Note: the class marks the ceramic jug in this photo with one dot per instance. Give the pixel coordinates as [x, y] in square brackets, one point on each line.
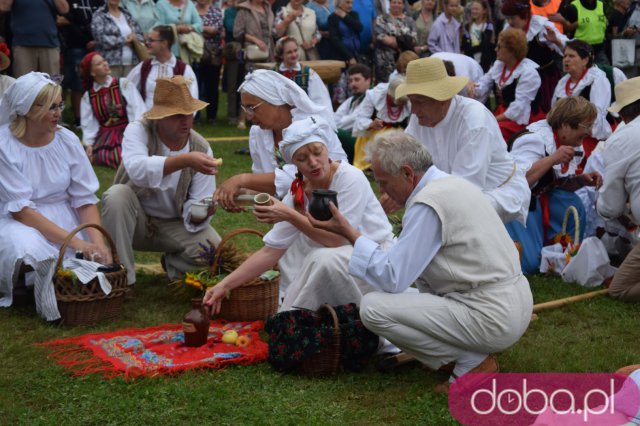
[195, 325]
[319, 205]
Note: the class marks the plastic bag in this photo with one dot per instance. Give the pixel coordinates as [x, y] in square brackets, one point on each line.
[591, 266]
[552, 259]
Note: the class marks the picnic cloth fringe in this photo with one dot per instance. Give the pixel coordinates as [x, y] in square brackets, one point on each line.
[154, 351]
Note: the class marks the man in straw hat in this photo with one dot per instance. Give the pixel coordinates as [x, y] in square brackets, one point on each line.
[620, 193]
[167, 171]
[473, 300]
[463, 137]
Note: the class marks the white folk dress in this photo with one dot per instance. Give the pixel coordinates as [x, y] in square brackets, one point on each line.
[54, 180]
[316, 274]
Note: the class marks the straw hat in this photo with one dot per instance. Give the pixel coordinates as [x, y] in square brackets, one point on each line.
[428, 77]
[627, 93]
[172, 97]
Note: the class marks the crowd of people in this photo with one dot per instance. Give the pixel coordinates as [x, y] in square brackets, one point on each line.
[484, 123]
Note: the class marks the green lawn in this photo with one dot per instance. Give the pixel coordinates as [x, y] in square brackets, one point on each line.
[595, 335]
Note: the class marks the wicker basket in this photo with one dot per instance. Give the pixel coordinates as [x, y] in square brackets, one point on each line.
[327, 361]
[328, 70]
[87, 304]
[255, 300]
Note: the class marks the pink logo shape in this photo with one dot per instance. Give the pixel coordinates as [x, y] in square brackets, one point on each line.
[544, 399]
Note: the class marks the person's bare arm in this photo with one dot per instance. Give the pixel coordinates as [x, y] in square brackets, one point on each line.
[61, 6]
[52, 232]
[564, 154]
[198, 161]
[227, 191]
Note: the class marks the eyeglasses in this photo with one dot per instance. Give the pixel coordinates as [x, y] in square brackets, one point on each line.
[251, 110]
[54, 107]
[151, 40]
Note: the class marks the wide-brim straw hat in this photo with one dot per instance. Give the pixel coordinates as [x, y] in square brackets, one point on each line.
[5, 62]
[428, 77]
[627, 92]
[172, 97]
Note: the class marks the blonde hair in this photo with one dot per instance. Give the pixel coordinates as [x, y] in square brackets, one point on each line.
[46, 97]
[571, 110]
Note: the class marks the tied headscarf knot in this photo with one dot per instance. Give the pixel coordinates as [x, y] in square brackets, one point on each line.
[297, 191]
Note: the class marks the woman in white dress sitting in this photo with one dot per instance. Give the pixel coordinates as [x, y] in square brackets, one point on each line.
[47, 188]
[550, 151]
[321, 268]
[516, 82]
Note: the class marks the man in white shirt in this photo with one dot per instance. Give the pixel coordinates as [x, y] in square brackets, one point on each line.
[463, 137]
[620, 193]
[167, 171]
[473, 299]
[347, 113]
[163, 64]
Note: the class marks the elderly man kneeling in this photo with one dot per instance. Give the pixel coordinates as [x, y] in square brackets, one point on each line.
[473, 298]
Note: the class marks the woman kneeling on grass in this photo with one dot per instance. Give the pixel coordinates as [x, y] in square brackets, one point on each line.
[319, 265]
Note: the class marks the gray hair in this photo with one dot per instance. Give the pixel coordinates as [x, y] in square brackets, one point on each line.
[394, 149]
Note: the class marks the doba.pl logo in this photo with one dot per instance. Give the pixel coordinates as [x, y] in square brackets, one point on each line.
[544, 398]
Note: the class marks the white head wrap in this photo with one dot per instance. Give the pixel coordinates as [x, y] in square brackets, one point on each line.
[19, 98]
[277, 89]
[300, 133]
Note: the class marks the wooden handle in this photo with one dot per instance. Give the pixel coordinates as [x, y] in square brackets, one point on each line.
[565, 301]
[576, 219]
[65, 244]
[218, 254]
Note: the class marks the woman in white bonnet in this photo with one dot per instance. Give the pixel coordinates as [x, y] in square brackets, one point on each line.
[319, 265]
[272, 102]
[47, 188]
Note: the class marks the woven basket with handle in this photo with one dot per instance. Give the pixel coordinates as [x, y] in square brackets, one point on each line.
[81, 304]
[327, 361]
[256, 299]
[571, 210]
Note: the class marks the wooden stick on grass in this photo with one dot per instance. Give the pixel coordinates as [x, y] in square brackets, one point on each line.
[565, 301]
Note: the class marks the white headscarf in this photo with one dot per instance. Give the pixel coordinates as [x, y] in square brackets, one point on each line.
[19, 98]
[277, 89]
[300, 133]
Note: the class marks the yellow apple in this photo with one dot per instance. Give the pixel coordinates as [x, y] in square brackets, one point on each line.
[230, 336]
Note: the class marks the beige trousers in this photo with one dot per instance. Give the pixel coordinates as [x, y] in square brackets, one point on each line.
[438, 330]
[27, 58]
[626, 281]
[125, 220]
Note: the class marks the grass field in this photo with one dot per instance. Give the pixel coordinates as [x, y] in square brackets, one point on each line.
[591, 336]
